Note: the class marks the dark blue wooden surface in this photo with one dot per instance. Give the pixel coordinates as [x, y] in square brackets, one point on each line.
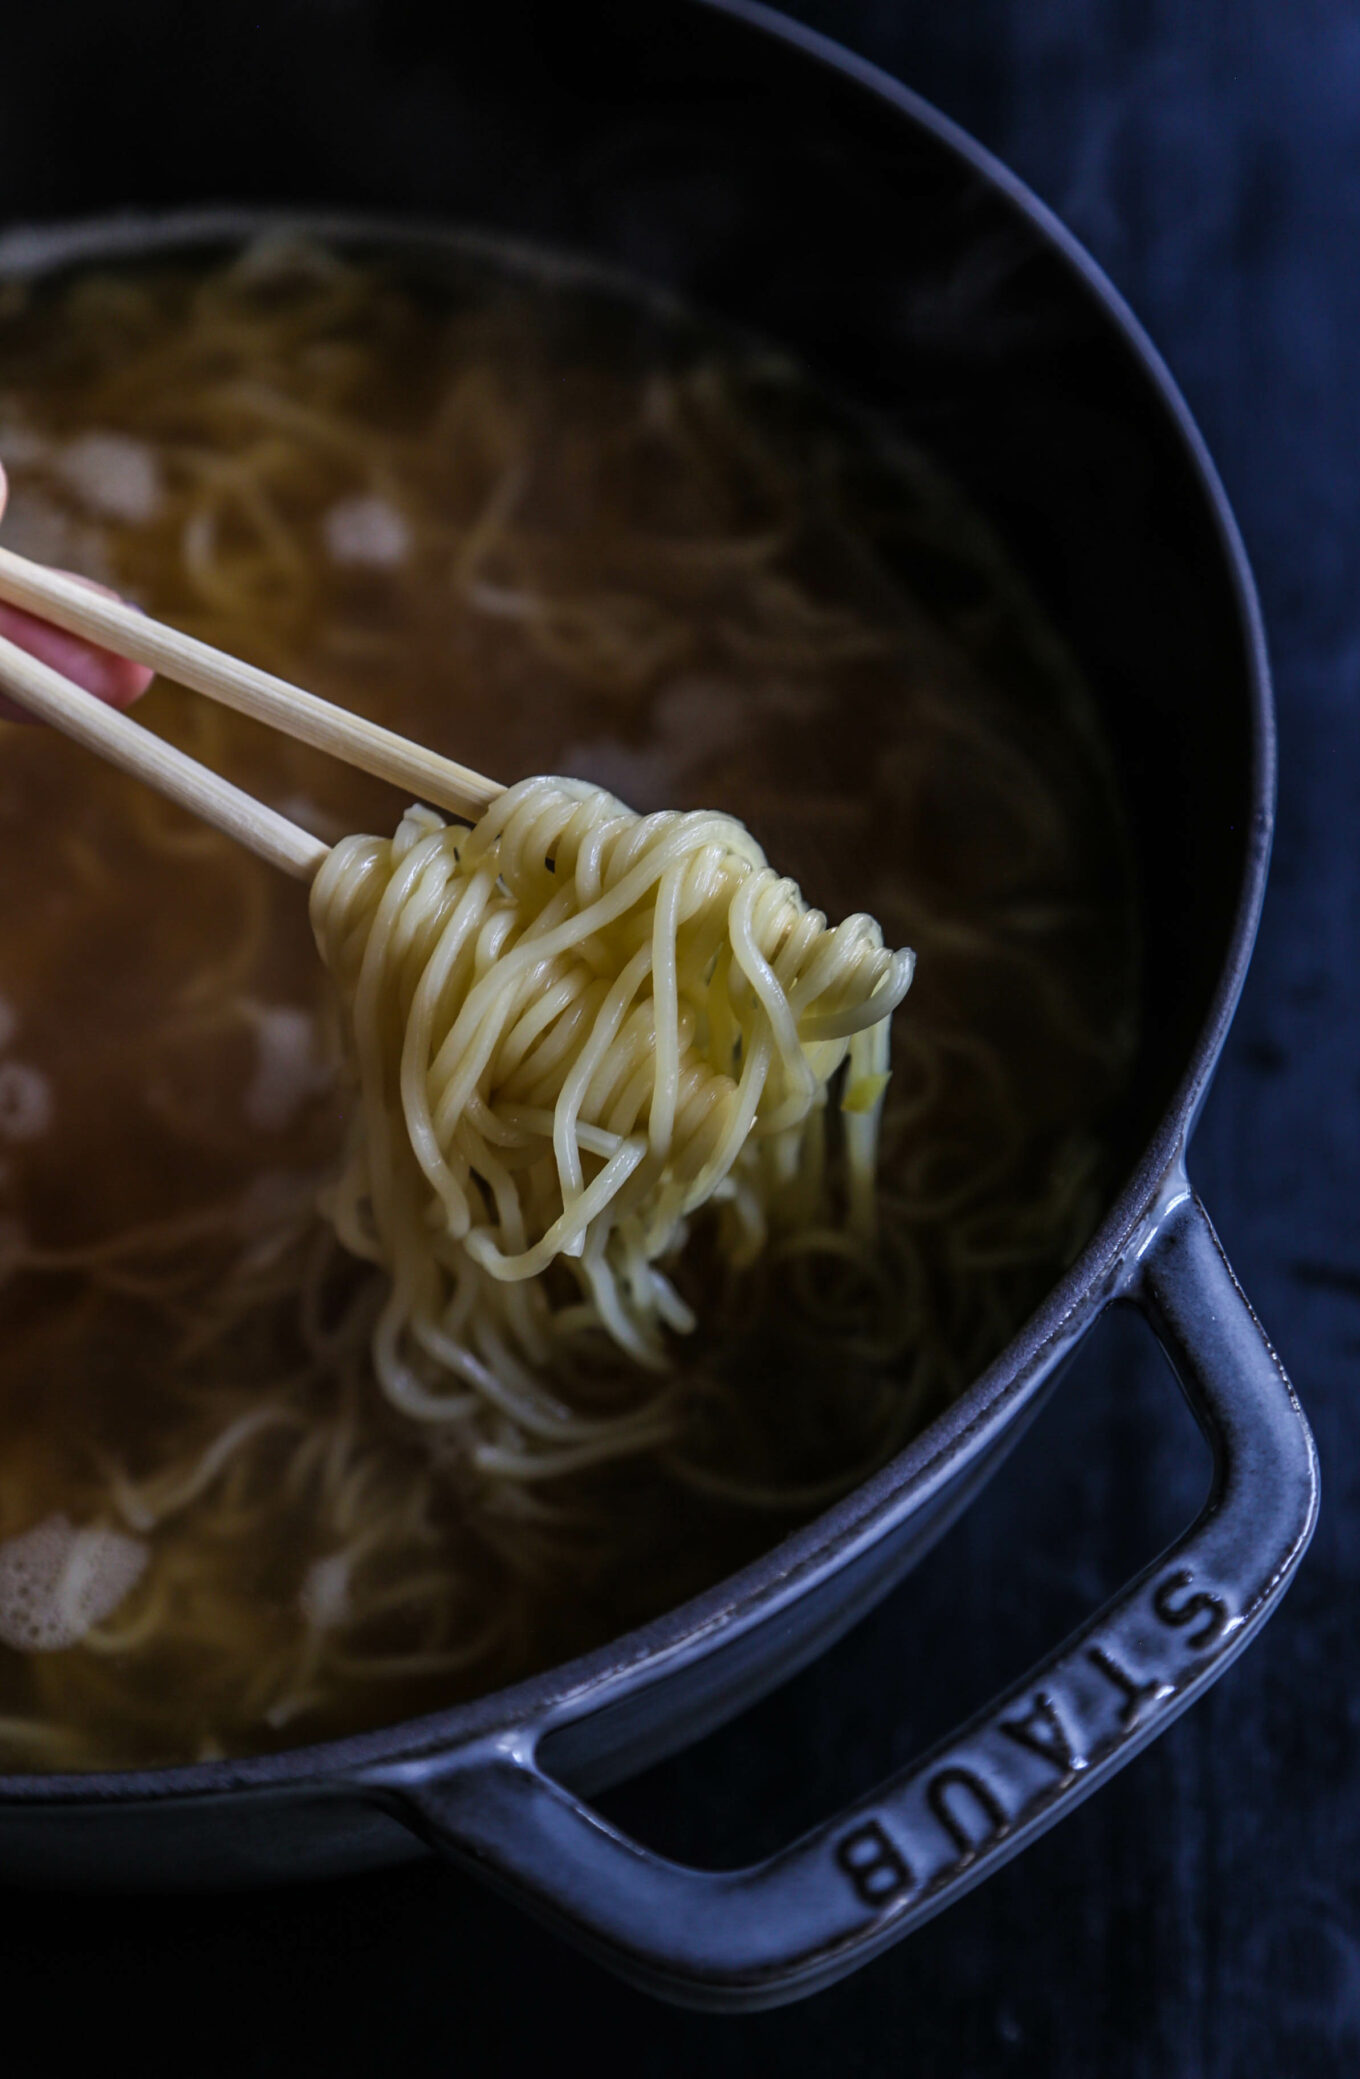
[1201, 1918]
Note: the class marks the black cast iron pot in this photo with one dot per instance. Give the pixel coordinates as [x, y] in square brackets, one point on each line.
[711, 146]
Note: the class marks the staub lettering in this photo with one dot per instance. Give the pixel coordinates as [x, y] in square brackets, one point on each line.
[1208, 1612]
[1134, 1693]
[949, 1794]
[876, 1869]
[974, 1797]
[1042, 1732]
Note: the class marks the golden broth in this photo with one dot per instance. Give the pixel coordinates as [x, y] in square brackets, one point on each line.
[541, 527]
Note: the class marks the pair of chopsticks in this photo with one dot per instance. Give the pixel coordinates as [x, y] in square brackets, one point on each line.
[114, 626]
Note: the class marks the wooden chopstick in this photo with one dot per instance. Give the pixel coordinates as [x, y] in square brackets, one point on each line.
[118, 627]
[125, 743]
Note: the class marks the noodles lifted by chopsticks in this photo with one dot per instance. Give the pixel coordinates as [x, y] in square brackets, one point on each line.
[575, 1028]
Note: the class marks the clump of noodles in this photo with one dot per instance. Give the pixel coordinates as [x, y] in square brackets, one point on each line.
[576, 1030]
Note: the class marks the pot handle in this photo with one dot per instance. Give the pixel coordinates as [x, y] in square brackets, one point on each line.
[758, 1936]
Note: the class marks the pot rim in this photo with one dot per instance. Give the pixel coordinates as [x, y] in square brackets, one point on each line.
[999, 1393]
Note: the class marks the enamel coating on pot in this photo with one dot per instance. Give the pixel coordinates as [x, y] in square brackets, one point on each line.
[762, 1935]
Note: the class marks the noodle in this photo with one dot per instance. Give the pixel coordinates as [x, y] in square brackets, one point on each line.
[593, 1027]
[529, 525]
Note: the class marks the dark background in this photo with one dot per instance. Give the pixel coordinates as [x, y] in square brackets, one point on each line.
[1199, 1919]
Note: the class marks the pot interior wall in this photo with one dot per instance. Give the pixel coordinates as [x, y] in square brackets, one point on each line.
[702, 155]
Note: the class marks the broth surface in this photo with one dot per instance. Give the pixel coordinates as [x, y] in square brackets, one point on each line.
[541, 525]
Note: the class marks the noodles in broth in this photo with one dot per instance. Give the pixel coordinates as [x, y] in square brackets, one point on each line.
[307, 1423]
[570, 987]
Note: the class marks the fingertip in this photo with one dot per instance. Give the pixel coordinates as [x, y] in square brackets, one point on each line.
[115, 680]
[127, 681]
